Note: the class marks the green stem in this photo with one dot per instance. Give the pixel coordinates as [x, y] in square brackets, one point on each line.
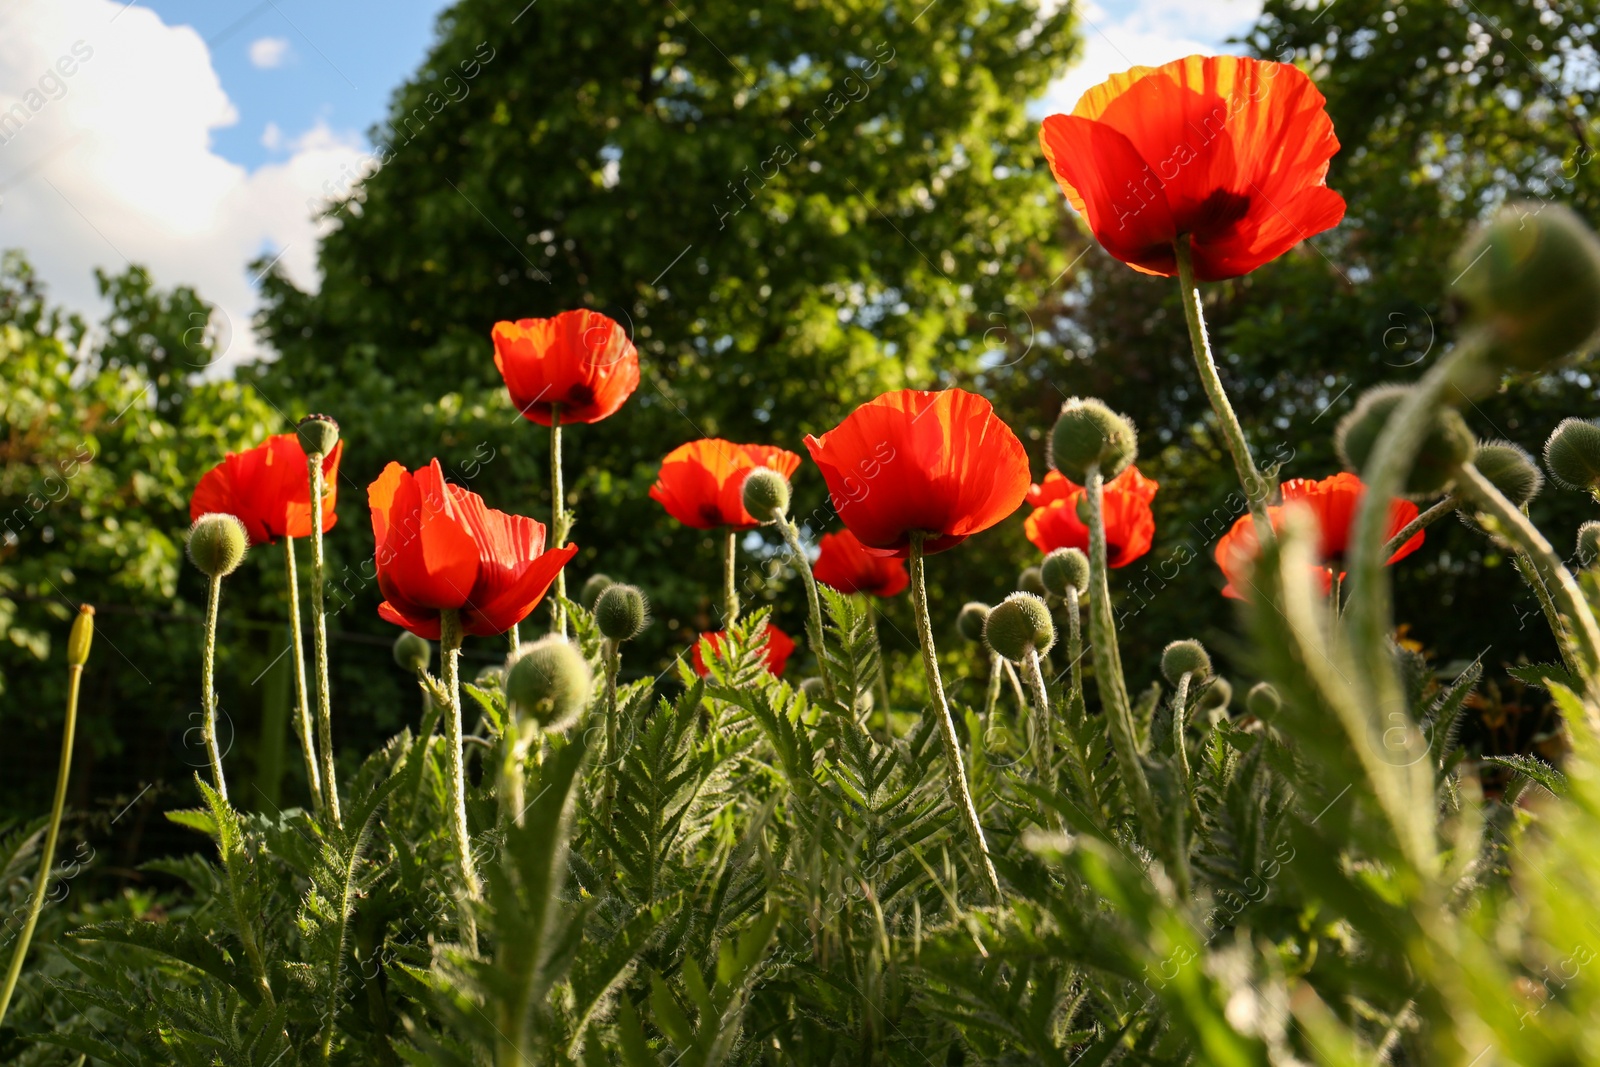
[1043, 736]
[208, 690]
[961, 793]
[819, 647]
[52, 831]
[1424, 519]
[450, 671]
[558, 519]
[611, 653]
[514, 637]
[1074, 651]
[992, 696]
[1255, 489]
[1552, 615]
[730, 585]
[308, 745]
[1180, 719]
[319, 635]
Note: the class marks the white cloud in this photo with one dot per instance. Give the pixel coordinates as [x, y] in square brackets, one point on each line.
[115, 164]
[272, 137]
[269, 52]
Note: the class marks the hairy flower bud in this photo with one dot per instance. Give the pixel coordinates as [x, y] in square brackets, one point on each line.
[1089, 435]
[1572, 455]
[1589, 542]
[1031, 581]
[1019, 624]
[217, 544]
[1532, 278]
[490, 678]
[814, 689]
[971, 619]
[1509, 469]
[590, 594]
[1263, 701]
[412, 654]
[621, 612]
[81, 637]
[1447, 446]
[1218, 695]
[548, 681]
[766, 494]
[1185, 657]
[318, 434]
[1065, 568]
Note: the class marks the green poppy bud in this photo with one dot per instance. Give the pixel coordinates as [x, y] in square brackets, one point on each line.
[1447, 446]
[1572, 455]
[621, 612]
[590, 594]
[81, 637]
[766, 495]
[318, 434]
[1185, 657]
[1511, 470]
[1065, 568]
[1019, 624]
[490, 678]
[1089, 435]
[217, 544]
[970, 621]
[814, 689]
[1532, 278]
[1589, 542]
[548, 681]
[412, 654]
[1031, 581]
[1263, 701]
[1217, 696]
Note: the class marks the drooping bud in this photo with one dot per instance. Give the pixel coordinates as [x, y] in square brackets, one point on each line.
[1088, 435]
[814, 688]
[1065, 568]
[1572, 455]
[1217, 696]
[1031, 581]
[766, 495]
[621, 612]
[548, 681]
[1532, 278]
[1185, 657]
[971, 619]
[217, 544]
[1447, 446]
[590, 594]
[1263, 701]
[1589, 542]
[1019, 624]
[412, 654]
[1511, 470]
[318, 434]
[81, 637]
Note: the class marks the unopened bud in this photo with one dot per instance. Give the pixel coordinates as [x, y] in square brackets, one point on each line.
[814, 689]
[1509, 469]
[412, 654]
[589, 596]
[1031, 581]
[1589, 542]
[1447, 446]
[1185, 657]
[1572, 455]
[1018, 625]
[1089, 435]
[548, 681]
[1065, 568]
[766, 495]
[1263, 701]
[1217, 696]
[318, 434]
[217, 544]
[621, 612]
[971, 619]
[81, 637]
[490, 678]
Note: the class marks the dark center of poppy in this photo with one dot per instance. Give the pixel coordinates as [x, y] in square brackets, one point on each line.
[579, 396]
[711, 514]
[1217, 212]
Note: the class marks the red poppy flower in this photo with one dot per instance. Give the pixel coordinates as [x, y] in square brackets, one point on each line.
[778, 649]
[1129, 522]
[702, 483]
[268, 488]
[939, 463]
[1333, 502]
[581, 360]
[439, 549]
[1228, 151]
[843, 564]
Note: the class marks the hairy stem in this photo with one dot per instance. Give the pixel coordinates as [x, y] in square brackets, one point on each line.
[960, 791]
[819, 647]
[558, 520]
[730, 585]
[450, 671]
[1043, 734]
[1424, 519]
[308, 744]
[991, 696]
[208, 689]
[1074, 651]
[611, 653]
[319, 635]
[1180, 718]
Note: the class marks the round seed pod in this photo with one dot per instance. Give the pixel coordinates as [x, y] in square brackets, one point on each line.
[622, 612]
[1263, 701]
[1589, 542]
[971, 619]
[548, 681]
[412, 654]
[1065, 568]
[1031, 581]
[596, 584]
[217, 544]
[1089, 435]
[766, 495]
[1019, 624]
[1217, 696]
[1185, 657]
[318, 434]
[1447, 446]
[1511, 470]
[1572, 455]
[1531, 277]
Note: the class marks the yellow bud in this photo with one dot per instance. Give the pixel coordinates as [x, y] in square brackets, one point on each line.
[81, 638]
